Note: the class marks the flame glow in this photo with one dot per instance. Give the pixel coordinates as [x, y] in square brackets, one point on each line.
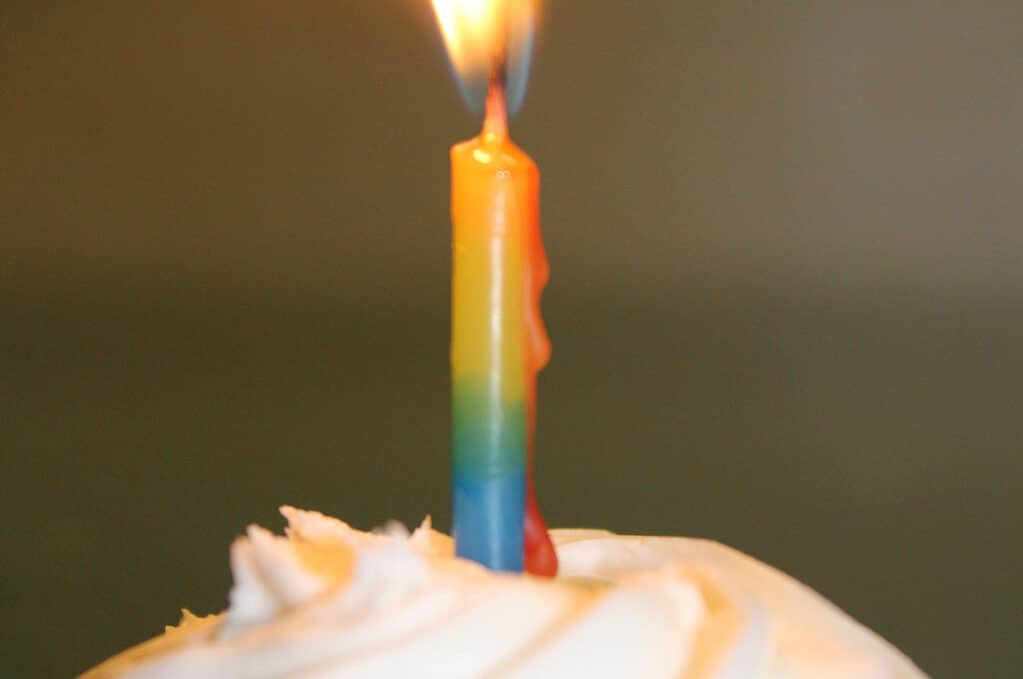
[476, 32]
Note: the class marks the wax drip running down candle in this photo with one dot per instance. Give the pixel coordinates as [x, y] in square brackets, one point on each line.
[499, 343]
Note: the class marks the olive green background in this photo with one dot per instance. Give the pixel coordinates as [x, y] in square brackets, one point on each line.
[786, 305]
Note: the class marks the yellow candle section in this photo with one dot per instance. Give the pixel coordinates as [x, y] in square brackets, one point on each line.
[491, 179]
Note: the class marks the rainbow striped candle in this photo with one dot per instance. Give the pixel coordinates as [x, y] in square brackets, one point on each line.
[498, 340]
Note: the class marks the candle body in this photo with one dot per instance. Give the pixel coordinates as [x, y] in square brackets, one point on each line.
[498, 345]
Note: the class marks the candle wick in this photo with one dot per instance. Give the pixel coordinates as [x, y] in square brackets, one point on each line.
[496, 119]
[496, 122]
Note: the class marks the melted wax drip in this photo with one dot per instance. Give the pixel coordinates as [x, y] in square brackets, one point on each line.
[540, 557]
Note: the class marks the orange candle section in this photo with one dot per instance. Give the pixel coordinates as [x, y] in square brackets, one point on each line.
[499, 344]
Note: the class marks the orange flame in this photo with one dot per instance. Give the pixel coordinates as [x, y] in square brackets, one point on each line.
[483, 34]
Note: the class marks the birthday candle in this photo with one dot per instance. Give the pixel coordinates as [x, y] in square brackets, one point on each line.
[498, 339]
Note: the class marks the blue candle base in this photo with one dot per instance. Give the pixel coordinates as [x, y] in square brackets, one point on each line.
[488, 524]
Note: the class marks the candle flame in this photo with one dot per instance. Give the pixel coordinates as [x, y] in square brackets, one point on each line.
[484, 35]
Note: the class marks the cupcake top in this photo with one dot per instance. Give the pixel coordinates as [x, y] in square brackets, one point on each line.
[328, 601]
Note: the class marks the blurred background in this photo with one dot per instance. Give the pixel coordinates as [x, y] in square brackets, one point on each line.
[786, 304]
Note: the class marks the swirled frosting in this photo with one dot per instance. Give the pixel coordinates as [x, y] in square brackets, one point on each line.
[326, 601]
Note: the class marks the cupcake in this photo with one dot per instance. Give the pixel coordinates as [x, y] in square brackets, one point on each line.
[326, 601]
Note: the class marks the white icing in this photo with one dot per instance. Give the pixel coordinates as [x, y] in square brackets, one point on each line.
[330, 602]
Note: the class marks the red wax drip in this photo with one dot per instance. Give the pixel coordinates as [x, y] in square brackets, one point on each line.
[540, 557]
